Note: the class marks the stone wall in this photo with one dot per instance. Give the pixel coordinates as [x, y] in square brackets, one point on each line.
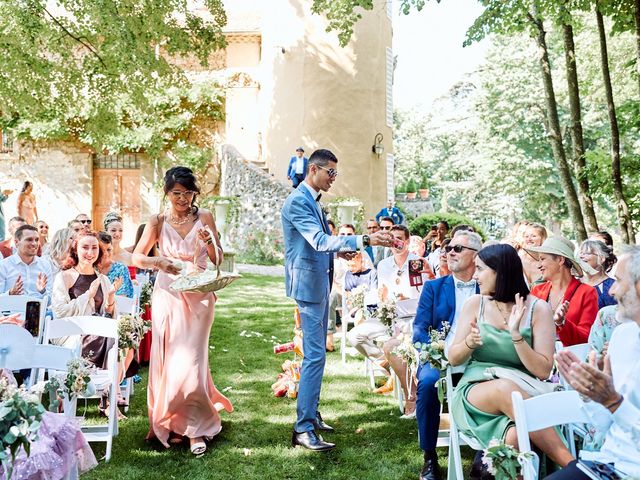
[416, 207]
[261, 198]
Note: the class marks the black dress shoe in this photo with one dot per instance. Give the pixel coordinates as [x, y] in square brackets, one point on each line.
[311, 441]
[479, 471]
[321, 426]
[430, 469]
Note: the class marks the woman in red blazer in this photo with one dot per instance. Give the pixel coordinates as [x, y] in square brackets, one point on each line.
[575, 304]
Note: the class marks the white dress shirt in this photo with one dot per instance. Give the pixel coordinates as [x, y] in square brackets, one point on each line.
[13, 266]
[462, 295]
[622, 441]
[299, 165]
[396, 279]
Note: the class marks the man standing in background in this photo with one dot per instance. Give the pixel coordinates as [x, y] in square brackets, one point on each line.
[297, 171]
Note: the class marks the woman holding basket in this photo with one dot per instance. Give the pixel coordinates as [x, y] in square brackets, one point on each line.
[182, 399]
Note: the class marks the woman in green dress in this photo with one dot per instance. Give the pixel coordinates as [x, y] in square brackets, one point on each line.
[504, 327]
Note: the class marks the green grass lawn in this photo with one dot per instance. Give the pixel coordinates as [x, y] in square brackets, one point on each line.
[372, 442]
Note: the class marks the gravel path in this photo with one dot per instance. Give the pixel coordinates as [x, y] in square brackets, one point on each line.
[271, 270]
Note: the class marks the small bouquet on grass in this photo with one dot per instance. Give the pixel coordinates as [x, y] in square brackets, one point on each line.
[131, 329]
[503, 461]
[145, 295]
[433, 354]
[20, 417]
[386, 313]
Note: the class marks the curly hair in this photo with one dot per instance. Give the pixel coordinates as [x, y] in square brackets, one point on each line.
[72, 257]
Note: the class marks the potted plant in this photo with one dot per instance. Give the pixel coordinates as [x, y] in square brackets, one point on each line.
[423, 189]
[401, 191]
[411, 190]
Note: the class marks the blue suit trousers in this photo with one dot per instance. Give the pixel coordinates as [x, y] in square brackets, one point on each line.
[314, 320]
[427, 407]
[296, 179]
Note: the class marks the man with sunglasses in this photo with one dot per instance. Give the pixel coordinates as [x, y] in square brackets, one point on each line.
[85, 221]
[309, 250]
[441, 301]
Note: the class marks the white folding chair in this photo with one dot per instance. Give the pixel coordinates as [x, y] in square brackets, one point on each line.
[103, 327]
[126, 305]
[18, 304]
[543, 411]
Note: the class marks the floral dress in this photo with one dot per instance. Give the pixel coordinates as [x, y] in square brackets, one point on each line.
[120, 270]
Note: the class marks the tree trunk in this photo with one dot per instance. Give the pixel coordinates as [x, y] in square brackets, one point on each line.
[577, 139]
[624, 217]
[555, 135]
[637, 16]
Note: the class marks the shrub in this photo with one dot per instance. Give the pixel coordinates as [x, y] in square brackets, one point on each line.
[422, 224]
[411, 186]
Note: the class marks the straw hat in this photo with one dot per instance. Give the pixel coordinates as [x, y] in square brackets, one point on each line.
[563, 247]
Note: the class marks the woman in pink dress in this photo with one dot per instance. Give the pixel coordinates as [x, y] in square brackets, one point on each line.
[181, 397]
[27, 204]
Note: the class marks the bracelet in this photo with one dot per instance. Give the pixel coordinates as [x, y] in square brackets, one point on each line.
[209, 241]
[561, 324]
[109, 305]
[465, 342]
[616, 403]
[519, 340]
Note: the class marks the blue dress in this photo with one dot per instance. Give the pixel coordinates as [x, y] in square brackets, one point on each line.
[120, 270]
[604, 299]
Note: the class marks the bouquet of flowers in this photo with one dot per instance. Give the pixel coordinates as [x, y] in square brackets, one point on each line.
[386, 312]
[20, 417]
[406, 350]
[356, 297]
[504, 461]
[145, 295]
[433, 354]
[77, 380]
[131, 329]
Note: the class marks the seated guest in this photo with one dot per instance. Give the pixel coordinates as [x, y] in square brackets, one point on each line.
[600, 257]
[376, 253]
[43, 232]
[602, 329]
[611, 387]
[24, 273]
[418, 248]
[441, 301]
[335, 297]
[8, 246]
[503, 327]
[534, 235]
[117, 272]
[574, 304]
[58, 250]
[394, 284]
[75, 226]
[442, 229]
[85, 221]
[332, 227]
[391, 211]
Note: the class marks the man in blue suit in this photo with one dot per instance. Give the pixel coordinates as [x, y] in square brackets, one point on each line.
[309, 249]
[391, 211]
[441, 300]
[298, 166]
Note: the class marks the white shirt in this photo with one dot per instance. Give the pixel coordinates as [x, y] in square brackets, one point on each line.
[622, 441]
[397, 279]
[299, 165]
[462, 295]
[13, 266]
[434, 261]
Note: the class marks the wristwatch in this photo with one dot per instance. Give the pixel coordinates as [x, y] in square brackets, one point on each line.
[366, 241]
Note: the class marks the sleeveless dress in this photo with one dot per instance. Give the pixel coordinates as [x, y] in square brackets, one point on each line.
[497, 350]
[28, 210]
[181, 396]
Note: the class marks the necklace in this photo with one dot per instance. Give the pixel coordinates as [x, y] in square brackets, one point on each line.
[179, 221]
[555, 305]
[505, 315]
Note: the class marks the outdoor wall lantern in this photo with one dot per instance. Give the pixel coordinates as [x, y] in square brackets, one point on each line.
[377, 147]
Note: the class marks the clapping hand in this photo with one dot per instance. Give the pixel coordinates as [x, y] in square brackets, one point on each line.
[517, 314]
[13, 319]
[587, 379]
[41, 283]
[474, 338]
[117, 283]
[560, 313]
[93, 288]
[18, 287]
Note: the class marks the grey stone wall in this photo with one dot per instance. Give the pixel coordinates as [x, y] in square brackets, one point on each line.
[261, 197]
[415, 207]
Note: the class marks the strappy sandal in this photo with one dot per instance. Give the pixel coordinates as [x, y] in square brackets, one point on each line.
[198, 448]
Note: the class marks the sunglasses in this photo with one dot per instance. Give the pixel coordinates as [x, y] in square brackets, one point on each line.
[332, 172]
[386, 228]
[178, 194]
[85, 222]
[458, 248]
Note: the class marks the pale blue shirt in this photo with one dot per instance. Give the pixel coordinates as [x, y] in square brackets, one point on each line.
[622, 440]
[13, 266]
[462, 295]
[299, 165]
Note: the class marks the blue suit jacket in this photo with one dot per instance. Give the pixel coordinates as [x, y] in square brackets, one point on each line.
[309, 248]
[437, 304]
[291, 171]
[396, 214]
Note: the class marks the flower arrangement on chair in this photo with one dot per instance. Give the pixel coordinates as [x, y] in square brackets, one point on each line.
[433, 353]
[131, 329]
[503, 461]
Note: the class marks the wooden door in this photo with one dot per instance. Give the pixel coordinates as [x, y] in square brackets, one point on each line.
[117, 190]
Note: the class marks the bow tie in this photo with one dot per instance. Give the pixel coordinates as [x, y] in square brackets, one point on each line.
[318, 197]
[471, 284]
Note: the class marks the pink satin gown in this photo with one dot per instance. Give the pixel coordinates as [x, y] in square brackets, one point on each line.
[181, 396]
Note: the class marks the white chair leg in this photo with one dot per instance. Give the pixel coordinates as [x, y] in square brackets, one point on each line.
[343, 343]
[399, 394]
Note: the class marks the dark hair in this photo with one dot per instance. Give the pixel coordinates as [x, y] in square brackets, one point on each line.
[26, 185]
[463, 227]
[17, 219]
[348, 225]
[505, 261]
[154, 251]
[110, 218]
[372, 220]
[185, 177]
[322, 157]
[403, 229]
[604, 236]
[104, 237]
[445, 223]
[23, 228]
[330, 222]
[72, 258]
[388, 219]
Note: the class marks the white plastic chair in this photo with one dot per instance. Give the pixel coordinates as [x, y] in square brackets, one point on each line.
[126, 305]
[18, 304]
[103, 327]
[543, 411]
